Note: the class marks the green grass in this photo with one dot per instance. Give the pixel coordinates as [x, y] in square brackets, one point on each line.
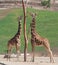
[46, 26]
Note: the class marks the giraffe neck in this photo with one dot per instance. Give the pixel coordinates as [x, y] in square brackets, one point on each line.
[17, 35]
[19, 27]
[33, 30]
[33, 26]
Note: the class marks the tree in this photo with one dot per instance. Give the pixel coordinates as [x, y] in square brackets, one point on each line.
[25, 35]
[53, 2]
[45, 3]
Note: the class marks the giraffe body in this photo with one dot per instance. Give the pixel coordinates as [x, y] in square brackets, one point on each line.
[15, 41]
[37, 40]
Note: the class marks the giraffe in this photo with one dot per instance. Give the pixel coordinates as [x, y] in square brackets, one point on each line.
[15, 41]
[37, 40]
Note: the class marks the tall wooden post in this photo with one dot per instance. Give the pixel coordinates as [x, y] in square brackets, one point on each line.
[25, 35]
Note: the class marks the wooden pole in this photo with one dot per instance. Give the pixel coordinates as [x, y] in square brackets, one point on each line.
[25, 35]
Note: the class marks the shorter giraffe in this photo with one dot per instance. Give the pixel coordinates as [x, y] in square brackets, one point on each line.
[15, 41]
[37, 40]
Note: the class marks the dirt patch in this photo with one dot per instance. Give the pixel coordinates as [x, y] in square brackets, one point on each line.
[38, 60]
[4, 13]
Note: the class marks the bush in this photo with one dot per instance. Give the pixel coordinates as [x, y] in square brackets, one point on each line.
[45, 3]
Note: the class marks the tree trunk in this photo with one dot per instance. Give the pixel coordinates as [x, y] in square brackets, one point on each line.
[25, 35]
[53, 2]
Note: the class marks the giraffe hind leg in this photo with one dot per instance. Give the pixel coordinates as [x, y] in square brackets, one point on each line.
[47, 46]
[33, 53]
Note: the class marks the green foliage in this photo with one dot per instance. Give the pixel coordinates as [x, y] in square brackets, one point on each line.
[46, 26]
[45, 3]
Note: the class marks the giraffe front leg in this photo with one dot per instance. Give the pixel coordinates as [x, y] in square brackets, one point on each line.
[18, 52]
[33, 52]
[9, 54]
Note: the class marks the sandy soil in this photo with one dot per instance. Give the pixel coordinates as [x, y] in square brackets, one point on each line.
[38, 61]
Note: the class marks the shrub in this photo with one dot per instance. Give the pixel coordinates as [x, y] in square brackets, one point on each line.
[45, 3]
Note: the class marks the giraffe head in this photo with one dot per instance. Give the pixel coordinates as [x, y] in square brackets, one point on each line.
[20, 18]
[33, 15]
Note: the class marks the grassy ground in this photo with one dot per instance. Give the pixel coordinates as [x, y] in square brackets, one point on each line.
[46, 26]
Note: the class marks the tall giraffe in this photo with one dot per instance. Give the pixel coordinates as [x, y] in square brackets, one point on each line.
[15, 41]
[37, 40]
